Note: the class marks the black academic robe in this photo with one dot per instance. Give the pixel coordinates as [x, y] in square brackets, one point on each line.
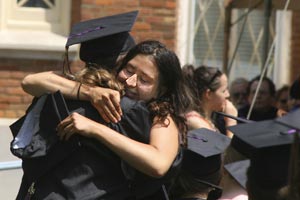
[257, 115]
[83, 168]
[193, 198]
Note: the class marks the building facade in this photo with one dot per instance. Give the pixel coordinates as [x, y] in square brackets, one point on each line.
[33, 35]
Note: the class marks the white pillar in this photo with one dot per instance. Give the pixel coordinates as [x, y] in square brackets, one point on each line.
[282, 58]
[185, 22]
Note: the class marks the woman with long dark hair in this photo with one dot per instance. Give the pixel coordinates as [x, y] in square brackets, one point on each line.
[151, 73]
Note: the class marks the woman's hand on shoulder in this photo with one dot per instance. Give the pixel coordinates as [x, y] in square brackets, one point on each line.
[107, 102]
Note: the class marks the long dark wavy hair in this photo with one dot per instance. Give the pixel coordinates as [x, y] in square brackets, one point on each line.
[174, 97]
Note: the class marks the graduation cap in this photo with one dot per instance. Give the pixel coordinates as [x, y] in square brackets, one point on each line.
[203, 154]
[203, 158]
[252, 137]
[238, 170]
[103, 37]
[267, 144]
[291, 119]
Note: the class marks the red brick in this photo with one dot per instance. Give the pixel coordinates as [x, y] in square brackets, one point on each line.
[9, 82]
[18, 74]
[104, 2]
[88, 1]
[2, 114]
[171, 4]
[163, 12]
[5, 74]
[15, 91]
[142, 26]
[145, 11]
[153, 3]
[154, 19]
[3, 106]
[10, 99]
[11, 114]
[20, 113]
[295, 42]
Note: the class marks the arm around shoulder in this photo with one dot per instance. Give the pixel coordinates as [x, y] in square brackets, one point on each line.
[153, 159]
[40, 83]
[105, 100]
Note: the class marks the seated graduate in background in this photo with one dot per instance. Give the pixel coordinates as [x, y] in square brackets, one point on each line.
[90, 172]
[267, 144]
[282, 97]
[210, 89]
[202, 166]
[264, 106]
[238, 92]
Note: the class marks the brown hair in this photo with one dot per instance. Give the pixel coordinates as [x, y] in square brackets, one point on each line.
[200, 79]
[93, 76]
[173, 96]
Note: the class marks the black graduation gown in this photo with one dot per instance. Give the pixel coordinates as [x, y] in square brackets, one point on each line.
[192, 198]
[258, 115]
[83, 168]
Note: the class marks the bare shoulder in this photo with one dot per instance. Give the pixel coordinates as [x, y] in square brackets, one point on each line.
[195, 120]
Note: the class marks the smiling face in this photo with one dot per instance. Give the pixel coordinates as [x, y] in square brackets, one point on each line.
[140, 77]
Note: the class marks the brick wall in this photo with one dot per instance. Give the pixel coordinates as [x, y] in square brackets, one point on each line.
[13, 101]
[156, 20]
[295, 51]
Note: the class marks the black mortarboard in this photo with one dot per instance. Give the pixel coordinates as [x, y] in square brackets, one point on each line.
[251, 137]
[202, 158]
[291, 119]
[203, 154]
[238, 170]
[267, 144]
[103, 37]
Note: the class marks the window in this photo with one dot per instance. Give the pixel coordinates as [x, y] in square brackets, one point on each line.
[36, 15]
[34, 25]
[248, 59]
[201, 37]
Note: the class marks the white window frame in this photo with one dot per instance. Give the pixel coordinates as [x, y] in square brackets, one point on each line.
[282, 51]
[28, 32]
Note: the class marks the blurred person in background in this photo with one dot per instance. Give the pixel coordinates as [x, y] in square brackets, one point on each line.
[282, 97]
[264, 107]
[238, 92]
[210, 89]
